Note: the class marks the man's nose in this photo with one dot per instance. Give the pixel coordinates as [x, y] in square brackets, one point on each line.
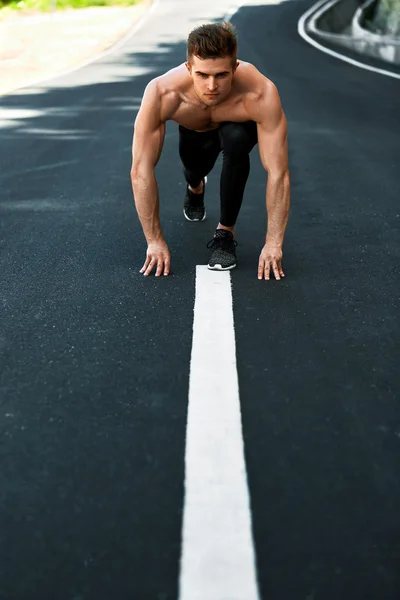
[212, 84]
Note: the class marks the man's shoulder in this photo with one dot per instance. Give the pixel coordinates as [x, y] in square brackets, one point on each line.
[261, 97]
[170, 82]
[166, 90]
[163, 93]
[253, 81]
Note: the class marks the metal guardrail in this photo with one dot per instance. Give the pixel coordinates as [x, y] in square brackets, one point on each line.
[340, 21]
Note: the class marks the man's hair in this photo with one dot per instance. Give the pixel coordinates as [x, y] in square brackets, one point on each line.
[213, 40]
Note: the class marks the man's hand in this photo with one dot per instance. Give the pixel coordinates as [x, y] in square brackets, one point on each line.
[158, 257]
[270, 258]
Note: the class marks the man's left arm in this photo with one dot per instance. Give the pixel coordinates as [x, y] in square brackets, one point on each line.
[272, 143]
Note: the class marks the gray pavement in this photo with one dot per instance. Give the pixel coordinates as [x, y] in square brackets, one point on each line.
[95, 358]
[35, 46]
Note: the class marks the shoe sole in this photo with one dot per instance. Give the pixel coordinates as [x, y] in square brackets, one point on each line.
[194, 220]
[218, 267]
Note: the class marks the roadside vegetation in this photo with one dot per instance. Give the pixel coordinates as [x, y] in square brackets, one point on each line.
[386, 19]
[49, 5]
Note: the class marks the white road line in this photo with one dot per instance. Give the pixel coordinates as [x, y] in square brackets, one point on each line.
[303, 33]
[218, 557]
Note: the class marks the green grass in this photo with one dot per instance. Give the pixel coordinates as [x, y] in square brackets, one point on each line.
[387, 18]
[47, 5]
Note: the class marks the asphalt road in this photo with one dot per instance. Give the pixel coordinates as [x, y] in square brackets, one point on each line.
[95, 358]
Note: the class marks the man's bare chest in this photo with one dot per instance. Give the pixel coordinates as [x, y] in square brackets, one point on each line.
[198, 118]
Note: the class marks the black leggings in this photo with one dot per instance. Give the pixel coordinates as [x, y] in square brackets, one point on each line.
[200, 150]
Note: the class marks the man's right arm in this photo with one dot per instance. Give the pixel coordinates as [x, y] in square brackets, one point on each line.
[148, 139]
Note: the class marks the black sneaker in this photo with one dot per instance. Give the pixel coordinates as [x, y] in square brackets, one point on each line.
[193, 208]
[223, 253]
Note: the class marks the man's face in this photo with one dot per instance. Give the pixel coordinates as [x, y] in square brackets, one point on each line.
[212, 78]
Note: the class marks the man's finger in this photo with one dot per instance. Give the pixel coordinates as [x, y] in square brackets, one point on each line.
[276, 270]
[166, 266]
[149, 267]
[281, 273]
[160, 266]
[266, 270]
[260, 269]
[146, 262]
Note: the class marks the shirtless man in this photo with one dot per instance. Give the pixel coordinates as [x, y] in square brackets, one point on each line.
[220, 103]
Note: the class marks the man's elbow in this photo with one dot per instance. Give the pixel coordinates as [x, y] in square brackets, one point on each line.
[136, 166]
[134, 173]
[138, 172]
[280, 174]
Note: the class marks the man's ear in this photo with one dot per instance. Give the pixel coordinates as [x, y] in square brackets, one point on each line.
[188, 66]
[236, 66]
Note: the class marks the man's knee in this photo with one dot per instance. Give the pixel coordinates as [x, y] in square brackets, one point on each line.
[192, 178]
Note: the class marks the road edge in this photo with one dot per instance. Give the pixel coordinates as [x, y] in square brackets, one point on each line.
[307, 23]
[136, 25]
